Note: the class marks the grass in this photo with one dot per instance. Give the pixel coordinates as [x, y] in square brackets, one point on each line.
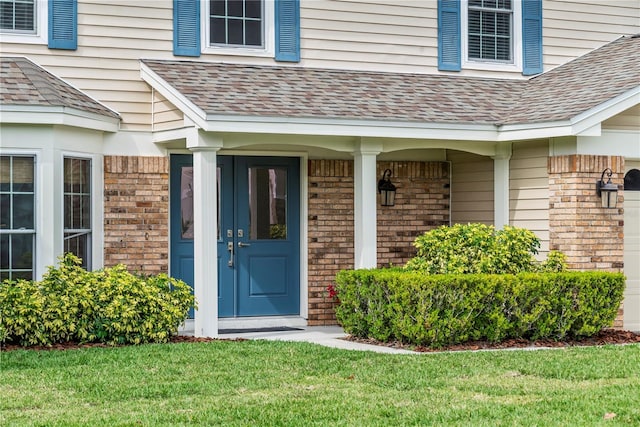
[299, 384]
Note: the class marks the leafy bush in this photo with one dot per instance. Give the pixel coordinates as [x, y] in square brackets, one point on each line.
[479, 248]
[439, 310]
[110, 305]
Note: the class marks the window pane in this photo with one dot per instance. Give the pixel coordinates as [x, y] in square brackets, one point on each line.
[217, 7]
[21, 251]
[253, 9]
[236, 31]
[186, 202]
[5, 211]
[218, 30]
[78, 244]
[4, 251]
[24, 16]
[254, 33]
[5, 173]
[267, 203]
[85, 207]
[6, 15]
[23, 174]
[26, 275]
[235, 8]
[23, 211]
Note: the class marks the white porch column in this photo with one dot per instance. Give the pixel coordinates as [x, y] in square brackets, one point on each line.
[501, 184]
[205, 216]
[365, 204]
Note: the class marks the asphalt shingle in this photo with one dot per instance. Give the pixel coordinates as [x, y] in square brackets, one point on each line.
[24, 83]
[297, 92]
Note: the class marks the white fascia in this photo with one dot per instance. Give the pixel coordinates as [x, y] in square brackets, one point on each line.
[188, 108]
[57, 115]
[346, 127]
[584, 124]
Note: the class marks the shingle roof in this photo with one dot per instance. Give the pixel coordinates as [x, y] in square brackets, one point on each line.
[272, 91]
[24, 83]
[581, 84]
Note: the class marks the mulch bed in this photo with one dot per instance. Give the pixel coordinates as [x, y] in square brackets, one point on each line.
[607, 336]
[604, 337]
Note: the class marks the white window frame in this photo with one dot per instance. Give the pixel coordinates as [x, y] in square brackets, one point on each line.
[36, 193]
[478, 64]
[268, 48]
[41, 34]
[89, 261]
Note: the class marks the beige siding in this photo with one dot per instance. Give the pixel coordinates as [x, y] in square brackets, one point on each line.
[629, 119]
[165, 114]
[529, 189]
[471, 188]
[384, 35]
[574, 27]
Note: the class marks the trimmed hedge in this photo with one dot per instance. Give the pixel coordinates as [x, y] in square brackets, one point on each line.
[111, 306]
[437, 310]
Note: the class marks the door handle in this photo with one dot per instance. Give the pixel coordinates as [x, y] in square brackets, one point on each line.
[230, 249]
[243, 245]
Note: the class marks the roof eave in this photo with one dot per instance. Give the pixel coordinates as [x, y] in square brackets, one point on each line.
[57, 115]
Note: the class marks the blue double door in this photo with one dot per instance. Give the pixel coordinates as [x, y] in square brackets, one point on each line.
[258, 233]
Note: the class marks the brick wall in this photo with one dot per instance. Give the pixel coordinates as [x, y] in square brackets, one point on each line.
[590, 236]
[330, 232]
[422, 203]
[136, 212]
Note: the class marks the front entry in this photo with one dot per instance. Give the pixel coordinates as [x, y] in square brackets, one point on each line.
[258, 233]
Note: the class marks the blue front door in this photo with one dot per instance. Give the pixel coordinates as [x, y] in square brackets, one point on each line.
[258, 233]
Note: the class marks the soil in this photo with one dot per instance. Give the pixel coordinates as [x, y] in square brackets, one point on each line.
[604, 337]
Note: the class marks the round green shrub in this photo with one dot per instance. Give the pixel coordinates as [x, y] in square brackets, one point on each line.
[480, 249]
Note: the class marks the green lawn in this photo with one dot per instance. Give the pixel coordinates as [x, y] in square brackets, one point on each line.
[299, 384]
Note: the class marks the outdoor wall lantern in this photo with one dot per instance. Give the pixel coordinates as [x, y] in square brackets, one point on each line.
[386, 189]
[608, 192]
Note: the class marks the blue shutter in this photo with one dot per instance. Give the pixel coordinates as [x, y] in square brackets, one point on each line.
[531, 37]
[63, 24]
[449, 51]
[287, 30]
[186, 27]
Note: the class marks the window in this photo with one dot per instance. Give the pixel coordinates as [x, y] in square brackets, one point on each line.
[489, 30]
[77, 208]
[266, 28]
[500, 35]
[236, 22]
[18, 16]
[17, 217]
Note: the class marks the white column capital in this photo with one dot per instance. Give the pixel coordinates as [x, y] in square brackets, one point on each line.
[199, 140]
[367, 146]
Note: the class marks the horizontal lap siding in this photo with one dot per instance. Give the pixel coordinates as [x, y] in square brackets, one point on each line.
[627, 120]
[384, 35]
[574, 27]
[529, 189]
[471, 188]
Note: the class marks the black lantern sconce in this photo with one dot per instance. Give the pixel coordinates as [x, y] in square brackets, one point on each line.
[608, 192]
[386, 189]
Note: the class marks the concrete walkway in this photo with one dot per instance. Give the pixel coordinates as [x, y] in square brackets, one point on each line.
[329, 336]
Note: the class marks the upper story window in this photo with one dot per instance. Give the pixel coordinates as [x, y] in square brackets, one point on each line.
[494, 35]
[236, 22]
[269, 28]
[49, 22]
[18, 16]
[489, 30]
